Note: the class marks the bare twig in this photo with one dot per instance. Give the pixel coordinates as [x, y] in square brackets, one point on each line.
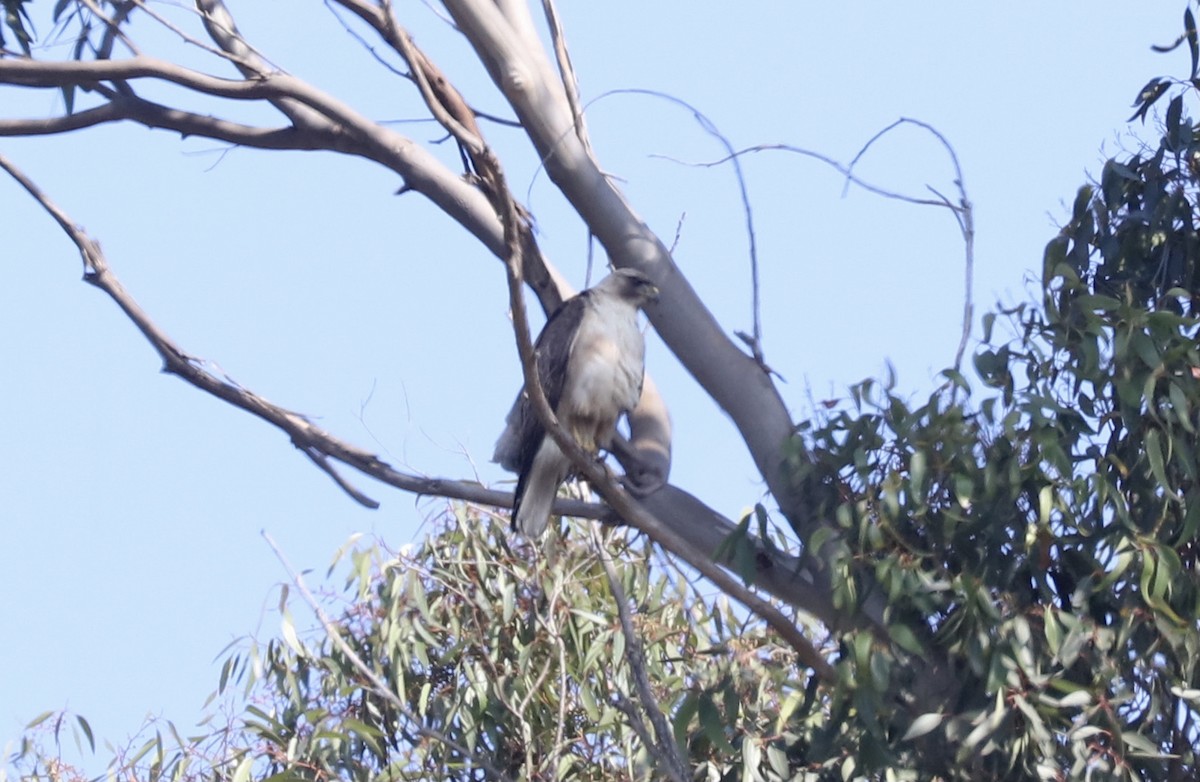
[569, 80]
[377, 684]
[963, 211]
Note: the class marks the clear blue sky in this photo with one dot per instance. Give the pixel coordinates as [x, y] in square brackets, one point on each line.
[132, 505]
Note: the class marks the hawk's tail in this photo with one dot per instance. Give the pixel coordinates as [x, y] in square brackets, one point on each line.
[536, 489]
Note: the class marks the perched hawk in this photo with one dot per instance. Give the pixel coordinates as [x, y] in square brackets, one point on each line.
[590, 359]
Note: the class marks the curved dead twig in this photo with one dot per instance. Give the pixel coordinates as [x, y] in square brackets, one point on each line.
[964, 213]
[754, 339]
[963, 210]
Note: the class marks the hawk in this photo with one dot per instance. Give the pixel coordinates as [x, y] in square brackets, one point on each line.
[590, 361]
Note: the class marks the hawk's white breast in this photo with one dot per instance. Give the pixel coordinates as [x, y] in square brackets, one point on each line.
[605, 374]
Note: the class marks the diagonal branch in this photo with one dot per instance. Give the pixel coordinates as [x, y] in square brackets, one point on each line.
[664, 740]
[569, 80]
[316, 443]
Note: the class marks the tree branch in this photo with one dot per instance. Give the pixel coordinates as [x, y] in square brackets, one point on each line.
[567, 70]
[963, 211]
[155, 115]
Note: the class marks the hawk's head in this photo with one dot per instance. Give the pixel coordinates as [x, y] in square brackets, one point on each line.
[631, 285]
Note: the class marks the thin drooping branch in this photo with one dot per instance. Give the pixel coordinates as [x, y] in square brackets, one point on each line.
[664, 745]
[754, 339]
[314, 442]
[963, 212]
[374, 681]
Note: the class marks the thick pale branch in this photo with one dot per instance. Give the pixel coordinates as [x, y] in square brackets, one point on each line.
[733, 379]
[38, 73]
